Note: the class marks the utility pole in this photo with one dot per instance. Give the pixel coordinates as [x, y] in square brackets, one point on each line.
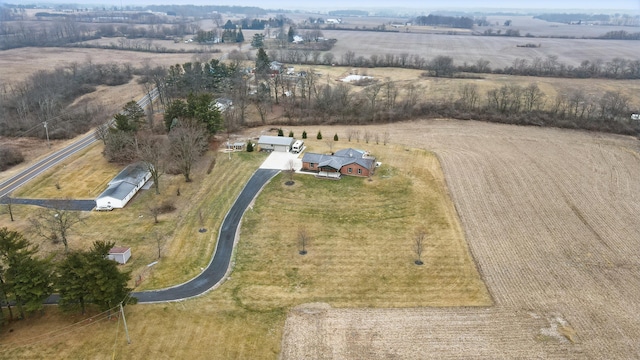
[124, 320]
[46, 129]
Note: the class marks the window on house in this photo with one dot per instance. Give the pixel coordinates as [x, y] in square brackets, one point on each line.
[359, 171]
[311, 165]
[349, 170]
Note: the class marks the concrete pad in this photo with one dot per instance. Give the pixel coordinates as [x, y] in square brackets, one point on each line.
[280, 161]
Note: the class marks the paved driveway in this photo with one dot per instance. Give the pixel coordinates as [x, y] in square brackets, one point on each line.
[77, 205]
[219, 265]
[282, 161]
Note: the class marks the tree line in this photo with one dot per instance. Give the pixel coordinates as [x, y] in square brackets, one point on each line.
[81, 278]
[305, 99]
[46, 95]
[550, 66]
[461, 22]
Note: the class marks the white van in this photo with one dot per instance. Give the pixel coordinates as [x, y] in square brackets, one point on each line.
[297, 146]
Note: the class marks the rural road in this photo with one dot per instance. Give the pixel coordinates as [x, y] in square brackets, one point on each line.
[39, 167]
[51, 160]
[219, 265]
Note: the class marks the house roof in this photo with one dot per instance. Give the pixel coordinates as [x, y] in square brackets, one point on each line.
[133, 173]
[276, 140]
[121, 185]
[340, 159]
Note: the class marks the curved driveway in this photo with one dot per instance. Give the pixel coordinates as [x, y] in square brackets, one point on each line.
[219, 265]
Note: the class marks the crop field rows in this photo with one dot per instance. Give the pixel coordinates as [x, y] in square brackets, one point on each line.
[550, 218]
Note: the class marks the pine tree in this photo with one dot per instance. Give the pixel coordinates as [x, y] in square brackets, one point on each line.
[319, 136]
[249, 146]
[290, 34]
[304, 134]
[262, 62]
[290, 133]
[280, 132]
[335, 137]
[239, 36]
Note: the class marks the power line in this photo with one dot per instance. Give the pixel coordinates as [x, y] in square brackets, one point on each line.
[64, 330]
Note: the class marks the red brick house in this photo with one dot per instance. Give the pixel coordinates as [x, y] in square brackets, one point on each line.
[350, 162]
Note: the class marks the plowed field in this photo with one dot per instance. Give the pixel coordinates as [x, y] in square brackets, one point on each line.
[550, 217]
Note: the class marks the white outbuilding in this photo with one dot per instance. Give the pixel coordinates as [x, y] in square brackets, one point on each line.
[275, 143]
[123, 187]
[119, 254]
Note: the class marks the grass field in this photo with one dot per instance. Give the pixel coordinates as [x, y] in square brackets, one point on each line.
[549, 216]
[360, 254]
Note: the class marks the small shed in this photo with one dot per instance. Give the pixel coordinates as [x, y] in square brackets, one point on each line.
[123, 187]
[119, 254]
[236, 146]
[275, 143]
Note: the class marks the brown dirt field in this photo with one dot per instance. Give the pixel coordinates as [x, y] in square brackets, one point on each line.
[501, 51]
[550, 218]
[25, 61]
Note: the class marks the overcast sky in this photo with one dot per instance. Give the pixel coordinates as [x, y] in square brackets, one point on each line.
[586, 5]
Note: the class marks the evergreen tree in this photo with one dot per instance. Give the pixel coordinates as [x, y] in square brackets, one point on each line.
[229, 25]
[290, 133]
[290, 34]
[89, 277]
[262, 62]
[239, 36]
[280, 132]
[32, 283]
[257, 41]
[304, 134]
[319, 136]
[249, 146]
[24, 280]
[335, 137]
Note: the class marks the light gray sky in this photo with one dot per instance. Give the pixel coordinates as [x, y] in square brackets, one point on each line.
[586, 5]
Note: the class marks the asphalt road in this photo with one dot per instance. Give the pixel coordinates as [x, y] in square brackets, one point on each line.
[51, 160]
[218, 267]
[39, 167]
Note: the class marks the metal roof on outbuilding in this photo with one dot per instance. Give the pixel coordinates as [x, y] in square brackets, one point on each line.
[122, 185]
[276, 140]
[133, 173]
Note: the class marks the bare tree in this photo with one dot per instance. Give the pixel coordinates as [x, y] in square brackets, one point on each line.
[418, 245]
[8, 205]
[371, 92]
[303, 239]
[158, 242]
[350, 134]
[187, 142]
[329, 143]
[153, 150]
[292, 169]
[102, 132]
[367, 136]
[533, 97]
[386, 137]
[442, 66]
[468, 96]
[154, 211]
[54, 224]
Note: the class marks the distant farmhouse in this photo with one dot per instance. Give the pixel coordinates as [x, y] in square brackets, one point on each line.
[343, 162]
[123, 187]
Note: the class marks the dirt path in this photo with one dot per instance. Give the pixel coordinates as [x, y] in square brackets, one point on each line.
[551, 219]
